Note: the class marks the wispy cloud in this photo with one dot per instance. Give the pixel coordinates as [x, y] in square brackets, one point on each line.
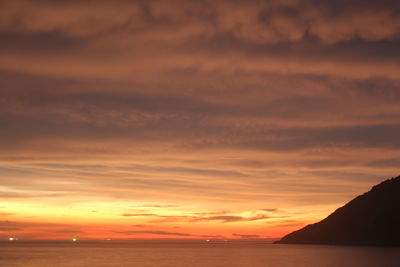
[228, 218]
[139, 214]
[270, 210]
[166, 233]
[67, 231]
[153, 233]
[4, 214]
[9, 229]
[199, 217]
[246, 236]
[159, 206]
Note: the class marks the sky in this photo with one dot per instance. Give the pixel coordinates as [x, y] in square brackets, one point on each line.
[193, 118]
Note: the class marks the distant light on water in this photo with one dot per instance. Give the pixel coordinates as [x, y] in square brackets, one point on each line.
[74, 239]
[11, 239]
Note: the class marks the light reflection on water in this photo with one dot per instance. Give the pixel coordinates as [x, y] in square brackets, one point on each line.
[191, 254]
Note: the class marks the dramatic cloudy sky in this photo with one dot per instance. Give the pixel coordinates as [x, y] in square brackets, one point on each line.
[193, 118]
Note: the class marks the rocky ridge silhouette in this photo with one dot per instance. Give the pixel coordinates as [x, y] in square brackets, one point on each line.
[370, 219]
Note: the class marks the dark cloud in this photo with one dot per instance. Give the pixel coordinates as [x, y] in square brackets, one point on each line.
[41, 42]
[157, 33]
[251, 21]
[385, 163]
[257, 137]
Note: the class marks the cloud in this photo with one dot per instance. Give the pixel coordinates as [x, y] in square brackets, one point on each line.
[67, 231]
[4, 214]
[38, 229]
[246, 236]
[199, 217]
[9, 229]
[92, 118]
[153, 233]
[212, 213]
[291, 224]
[231, 218]
[139, 214]
[159, 206]
[385, 163]
[202, 35]
[166, 233]
[250, 21]
[211, 236]
[270, 210]
[140, 225]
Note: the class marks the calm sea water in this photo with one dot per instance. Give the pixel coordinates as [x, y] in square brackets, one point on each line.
[192, 254]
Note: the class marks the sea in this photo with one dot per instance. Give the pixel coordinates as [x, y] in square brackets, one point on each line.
[191, 253]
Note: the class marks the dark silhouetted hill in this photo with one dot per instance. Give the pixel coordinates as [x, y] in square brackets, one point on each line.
[370, 219]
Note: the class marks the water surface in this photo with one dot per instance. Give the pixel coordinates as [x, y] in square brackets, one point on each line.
[191, 254]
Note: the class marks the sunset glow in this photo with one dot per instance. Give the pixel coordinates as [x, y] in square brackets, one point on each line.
[215, 120]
